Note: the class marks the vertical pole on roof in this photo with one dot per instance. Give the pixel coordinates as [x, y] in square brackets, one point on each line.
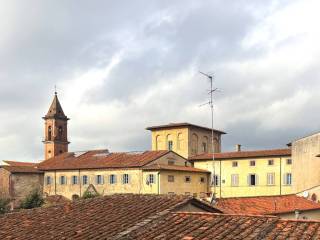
[213, 180]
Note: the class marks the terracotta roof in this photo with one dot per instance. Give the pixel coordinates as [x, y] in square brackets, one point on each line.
[100, 159]
[55, 200]
[15, 163]
[188, 226]
[21, 169]
[99, 218]
[244, 154]
[185, 124]
[266, 205]
[55, 110]
[174, 168]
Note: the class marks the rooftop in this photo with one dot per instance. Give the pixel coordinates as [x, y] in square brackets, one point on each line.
[97, 218]
[266, 205]
[20, 167]
[185, 124]
[244, 154]
[101, 159]
[174, 168]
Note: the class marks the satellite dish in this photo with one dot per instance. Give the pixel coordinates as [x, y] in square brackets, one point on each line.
[305, 194]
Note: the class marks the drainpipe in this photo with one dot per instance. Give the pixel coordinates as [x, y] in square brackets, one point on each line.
[158, 183]
[79, 184]
[280, 174]
[55, 182]
[220, 180]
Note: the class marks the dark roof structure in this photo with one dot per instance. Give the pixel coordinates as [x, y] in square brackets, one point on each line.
[266, 205]
[243, 154]
[185, 124]
[55, 110]
[100, 159]
[108, 217]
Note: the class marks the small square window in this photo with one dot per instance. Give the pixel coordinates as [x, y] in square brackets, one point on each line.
[170, 178]
[171, 162]
[202, 179]
[187, 179]
[289, 161]
[252, 163]
[234, 164]
[150, 179]
[270, 162]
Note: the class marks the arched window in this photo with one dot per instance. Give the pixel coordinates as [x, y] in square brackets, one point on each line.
[194, 143]
[216, 145]
[205, 144]
[60, 130]
[49, 133]
[180, 141]
[158, 142]
[169, 142]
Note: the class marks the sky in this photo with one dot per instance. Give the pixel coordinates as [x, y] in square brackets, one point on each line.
[121, 66]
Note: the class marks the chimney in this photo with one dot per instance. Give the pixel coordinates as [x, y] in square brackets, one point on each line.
[238, 147]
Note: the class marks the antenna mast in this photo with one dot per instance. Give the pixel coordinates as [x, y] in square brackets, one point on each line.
[210, 103]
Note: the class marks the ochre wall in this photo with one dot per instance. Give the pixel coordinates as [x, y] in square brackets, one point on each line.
[4, 183]
[244, 169]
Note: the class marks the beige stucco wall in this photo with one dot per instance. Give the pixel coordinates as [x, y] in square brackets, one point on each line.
[311, 215]
[243, 170]
[306, 165]
[4, 183]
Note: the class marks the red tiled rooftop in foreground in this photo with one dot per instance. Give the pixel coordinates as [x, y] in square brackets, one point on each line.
[204, 226]
[265, 205]
[97, 218]
[100, 159]
[244, 154]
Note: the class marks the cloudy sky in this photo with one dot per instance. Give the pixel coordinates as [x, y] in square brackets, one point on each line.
[121, 66]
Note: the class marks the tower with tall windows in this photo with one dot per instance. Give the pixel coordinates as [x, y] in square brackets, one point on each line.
[56, 130]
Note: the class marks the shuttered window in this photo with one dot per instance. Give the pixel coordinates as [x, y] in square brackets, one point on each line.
[270, 178]
[234, 180]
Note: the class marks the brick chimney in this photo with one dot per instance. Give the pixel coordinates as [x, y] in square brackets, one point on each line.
[238, 147]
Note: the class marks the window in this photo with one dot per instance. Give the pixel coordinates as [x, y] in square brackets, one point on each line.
[48, 180]
[125, 178]
[215, 180]
[194, 144]
[150, 178]
[234, 180]
[288, 179]
[112, 179]
[170, 145]
[63, 180]
[252, 163]
[170, 178]
[180, 141]
[289, 161]
[270, 162]
[60, 132]
[234, 164]
[187, 179]
[204, 147]
[49, 133]
[170, 162]
[202, 179]
[74, 180]
[99, 179]
[85, 180]
[252, 179]
[270, 178]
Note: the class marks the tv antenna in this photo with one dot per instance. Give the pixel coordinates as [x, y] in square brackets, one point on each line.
[214, 181]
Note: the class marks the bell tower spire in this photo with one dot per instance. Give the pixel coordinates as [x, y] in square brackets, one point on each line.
[56, 129]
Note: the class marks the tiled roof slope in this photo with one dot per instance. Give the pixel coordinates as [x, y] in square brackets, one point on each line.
[265, 205]
[185, 124]
[15, 163]
[188, 226]
[97, 218]
[20, 167]
[100, 159]
[55, 110]
[244, 154]
[174, 168]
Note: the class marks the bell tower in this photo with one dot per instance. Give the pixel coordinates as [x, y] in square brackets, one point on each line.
[56, 130]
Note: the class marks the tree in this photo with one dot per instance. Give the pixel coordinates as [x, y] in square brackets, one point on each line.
[89, 194]
[4, 205]
[33, 200]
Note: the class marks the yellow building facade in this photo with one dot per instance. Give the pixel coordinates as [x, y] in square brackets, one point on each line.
[185, 139]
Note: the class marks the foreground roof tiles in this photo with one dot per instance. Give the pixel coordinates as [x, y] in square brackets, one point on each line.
[266, 205]
[244, 154]
[98, 218]
[100, 159]
[174, 168]
[189, 226]
[185, 124]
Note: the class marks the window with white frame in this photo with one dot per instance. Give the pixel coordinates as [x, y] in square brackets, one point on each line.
[85, 180]
[234, 180]
[63, 180]
[252, 163]
[270, 162]
[125, 178]
[288, 179]
[113, 179]
[289, 161]
[99, 180]
[74, 180]
[270, 178]
[252, 179]
[187, 179]
[151, 178]
[48, 180]
[234, 164]
[215, 180]
[170, 178]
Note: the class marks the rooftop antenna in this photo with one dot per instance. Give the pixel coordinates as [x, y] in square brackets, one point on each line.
[210, 103]
[55, 90]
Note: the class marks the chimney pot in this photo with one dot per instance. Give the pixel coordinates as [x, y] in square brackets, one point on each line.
[238, 147]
